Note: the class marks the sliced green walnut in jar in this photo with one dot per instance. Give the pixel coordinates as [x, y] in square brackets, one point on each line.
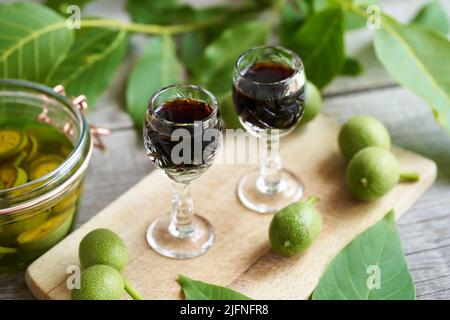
[65, 150]
[47, 234]
[26, 155]
[12, 176]
[10, 230]
[44, 164]
[31, 150]
[11, 142]
[69, 201]
[4, 251]
[18, 159]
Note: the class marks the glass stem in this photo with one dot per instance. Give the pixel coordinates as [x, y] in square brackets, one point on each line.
[181, 225]
[271, 166]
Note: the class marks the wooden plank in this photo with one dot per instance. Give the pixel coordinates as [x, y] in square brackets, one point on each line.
[13, 286]
[248, 264]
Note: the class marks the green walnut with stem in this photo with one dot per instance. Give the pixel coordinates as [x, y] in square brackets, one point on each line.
[373, 172]
[103, 256]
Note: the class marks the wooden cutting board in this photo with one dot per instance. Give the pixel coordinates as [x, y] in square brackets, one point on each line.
[241, 257]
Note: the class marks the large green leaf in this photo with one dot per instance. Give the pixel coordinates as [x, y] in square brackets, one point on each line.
[214, 69]
[433, 15]
[351, 67]
[62, 5]
[306, 6]
[228, 112]
[220, 83]
[320, 43]
[229, 45]
[160, 12]
[193, 44]
[351, 19]
[355, 21]
[291, 19]
[33, 41]
[376, 254]
[417, 58]
[90, 65]
[264, 3]
[191, 48]
[198, 290]
[158, 67]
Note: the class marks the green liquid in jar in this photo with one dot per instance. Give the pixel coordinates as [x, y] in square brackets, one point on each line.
[29, 151]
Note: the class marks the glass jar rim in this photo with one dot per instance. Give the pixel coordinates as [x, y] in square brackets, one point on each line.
[215, 105]
[69, 162]
[297, 60]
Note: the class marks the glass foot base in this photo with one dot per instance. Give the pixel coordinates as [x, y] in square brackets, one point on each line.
[193, 245]
[291, 189]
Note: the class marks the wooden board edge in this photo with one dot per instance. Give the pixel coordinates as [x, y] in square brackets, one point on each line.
[37, 292]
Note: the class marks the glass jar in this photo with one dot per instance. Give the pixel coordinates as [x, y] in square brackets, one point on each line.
[38, 214]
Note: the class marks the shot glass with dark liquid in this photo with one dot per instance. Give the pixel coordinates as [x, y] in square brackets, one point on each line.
[269, 97]
[182, 133]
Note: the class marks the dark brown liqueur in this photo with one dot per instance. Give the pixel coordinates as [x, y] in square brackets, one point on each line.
[181, 114]
[262, 99]
[184, 111]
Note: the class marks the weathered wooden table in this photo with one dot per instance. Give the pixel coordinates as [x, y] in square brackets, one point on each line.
[425, 229]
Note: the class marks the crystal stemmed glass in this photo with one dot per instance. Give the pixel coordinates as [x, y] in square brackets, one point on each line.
[269, 94]
[182, 134]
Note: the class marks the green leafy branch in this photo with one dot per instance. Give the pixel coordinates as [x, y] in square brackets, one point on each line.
[152, 29]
